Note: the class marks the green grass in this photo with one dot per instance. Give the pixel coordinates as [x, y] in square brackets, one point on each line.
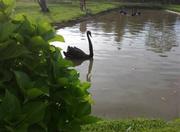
[173, 8]
[62, 12]
[133, 125]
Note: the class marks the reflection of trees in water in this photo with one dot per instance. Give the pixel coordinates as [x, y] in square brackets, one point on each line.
[113, 23]
[107, 22]
[83, 26]
[161, 35]
[158, 25]
[136, 24]
[120, 26]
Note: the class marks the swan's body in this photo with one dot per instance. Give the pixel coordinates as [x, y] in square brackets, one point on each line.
[76, 53]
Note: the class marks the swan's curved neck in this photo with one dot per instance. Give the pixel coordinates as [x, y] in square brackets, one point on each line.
[90, 46]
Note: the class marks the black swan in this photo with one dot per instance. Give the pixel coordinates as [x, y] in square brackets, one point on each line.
[76, 53]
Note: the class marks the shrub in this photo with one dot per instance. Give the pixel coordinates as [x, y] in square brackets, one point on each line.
[39, 90]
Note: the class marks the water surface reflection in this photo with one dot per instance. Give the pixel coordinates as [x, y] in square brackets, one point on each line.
[136, 67]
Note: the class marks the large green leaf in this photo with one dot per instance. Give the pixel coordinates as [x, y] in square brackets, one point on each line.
[62, 81]
[85, 86]
[13, 50]
[3, 17]
[83, 109]
[8, 2]
[34, 93]
[22, 128]
[34, 112]
[27, 26]
[10, 107]
[57, 38]
[6, 29]
[44, 27]
[37, 128]
[8, 6]
[4, 45]
[5, 75]
[39, 42]
[23, 81]
[19, 38]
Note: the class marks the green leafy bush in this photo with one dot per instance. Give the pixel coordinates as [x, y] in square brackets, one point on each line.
[39, 90]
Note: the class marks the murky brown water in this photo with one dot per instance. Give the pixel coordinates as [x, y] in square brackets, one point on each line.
[136, 67]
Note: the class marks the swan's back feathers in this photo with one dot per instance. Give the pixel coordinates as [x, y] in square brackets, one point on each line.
[76, 53]
[75, 49]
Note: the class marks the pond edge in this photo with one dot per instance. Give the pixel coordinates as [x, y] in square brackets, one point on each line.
[82, 18]
[86, 17]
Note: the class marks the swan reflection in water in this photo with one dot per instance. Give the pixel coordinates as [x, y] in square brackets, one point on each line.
[89, 75]
[90, 66]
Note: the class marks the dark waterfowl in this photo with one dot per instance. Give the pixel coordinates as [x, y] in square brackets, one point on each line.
[135, 12]
[76, 53]
[123, 12]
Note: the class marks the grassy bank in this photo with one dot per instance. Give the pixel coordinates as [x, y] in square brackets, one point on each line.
[175, 8]
[134, 125]
[62, 12]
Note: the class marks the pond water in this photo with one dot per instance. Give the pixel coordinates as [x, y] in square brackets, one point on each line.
[136, 68]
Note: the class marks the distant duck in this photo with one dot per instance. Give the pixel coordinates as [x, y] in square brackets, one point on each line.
[76, 53]
[135, 12]
[138, 13]
[123, 12]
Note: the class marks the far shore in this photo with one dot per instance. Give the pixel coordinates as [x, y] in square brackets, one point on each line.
[67, 14]
[178, 13]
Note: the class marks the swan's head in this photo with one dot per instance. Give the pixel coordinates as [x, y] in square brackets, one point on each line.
[89, 33]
